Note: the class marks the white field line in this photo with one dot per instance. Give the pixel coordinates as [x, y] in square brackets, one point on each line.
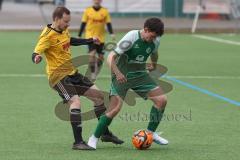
[217, 40]
[108, 76]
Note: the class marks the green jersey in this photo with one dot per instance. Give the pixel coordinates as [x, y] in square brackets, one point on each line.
[133, 53]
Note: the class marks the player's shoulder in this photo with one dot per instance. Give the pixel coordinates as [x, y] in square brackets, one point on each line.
[88, 9]
[133, 33]
[46, 31]
[104, 8]
[131, 36]
[157, 40]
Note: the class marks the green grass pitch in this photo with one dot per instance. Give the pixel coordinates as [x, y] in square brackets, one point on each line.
[199, 126]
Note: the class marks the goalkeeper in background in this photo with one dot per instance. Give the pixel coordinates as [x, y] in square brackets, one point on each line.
[94, 20]
[54, 42]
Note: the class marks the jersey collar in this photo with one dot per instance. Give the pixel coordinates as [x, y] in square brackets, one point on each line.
[96, 8]
[49, 26]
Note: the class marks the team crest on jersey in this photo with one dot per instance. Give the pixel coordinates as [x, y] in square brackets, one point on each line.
[136, 46]
[148, 50]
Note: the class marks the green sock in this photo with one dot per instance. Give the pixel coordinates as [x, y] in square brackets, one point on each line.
[103, 123]
[155, 118]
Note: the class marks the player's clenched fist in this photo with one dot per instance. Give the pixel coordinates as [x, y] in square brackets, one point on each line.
[36, 58]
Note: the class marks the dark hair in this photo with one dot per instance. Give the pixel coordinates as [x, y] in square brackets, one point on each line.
[155, 25]
[59, 11]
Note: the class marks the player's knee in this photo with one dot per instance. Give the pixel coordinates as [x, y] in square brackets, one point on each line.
[114, 108]
[114, 111]
[74, 102]
[161, 101]
[99, 95]
[100, 98]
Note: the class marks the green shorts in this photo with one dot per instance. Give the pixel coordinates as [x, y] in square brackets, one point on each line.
[141, 85]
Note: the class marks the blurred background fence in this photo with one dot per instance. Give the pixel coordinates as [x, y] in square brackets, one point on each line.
[215, 15]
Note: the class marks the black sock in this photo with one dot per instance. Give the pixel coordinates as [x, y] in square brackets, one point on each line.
[75, 118]
[99, 110]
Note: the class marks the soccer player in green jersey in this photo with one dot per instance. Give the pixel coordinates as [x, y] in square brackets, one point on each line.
[129, 71]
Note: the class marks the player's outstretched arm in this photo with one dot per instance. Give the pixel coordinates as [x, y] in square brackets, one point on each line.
[153, 64]
[36, 58]
[111, 63]
[81, 41]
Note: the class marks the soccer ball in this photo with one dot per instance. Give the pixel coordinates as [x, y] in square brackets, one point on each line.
[142, 139]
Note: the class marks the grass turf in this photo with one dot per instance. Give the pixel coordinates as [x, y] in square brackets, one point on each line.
[197, 125]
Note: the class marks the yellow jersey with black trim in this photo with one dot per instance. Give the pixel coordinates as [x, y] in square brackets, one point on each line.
[95, 22]
[55, 46]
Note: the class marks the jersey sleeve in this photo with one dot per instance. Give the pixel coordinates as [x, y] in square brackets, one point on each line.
[42, 45]
[126, 42]
[84, 17]
[108, 18]
[157, 44]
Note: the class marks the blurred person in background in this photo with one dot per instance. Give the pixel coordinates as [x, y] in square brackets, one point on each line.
[94, 20]
[1, 1]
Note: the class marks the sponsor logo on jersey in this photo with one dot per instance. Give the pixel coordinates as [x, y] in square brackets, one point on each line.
[148, 50]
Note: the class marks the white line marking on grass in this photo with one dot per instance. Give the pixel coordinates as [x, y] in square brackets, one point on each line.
[217, 40]
[202, 90]
[22, 75]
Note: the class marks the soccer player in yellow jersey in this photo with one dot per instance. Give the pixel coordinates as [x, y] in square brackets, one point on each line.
[54, 43]
[94, 20]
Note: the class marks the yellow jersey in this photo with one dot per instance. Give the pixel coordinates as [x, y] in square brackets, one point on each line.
[55, 46]
[95, 22]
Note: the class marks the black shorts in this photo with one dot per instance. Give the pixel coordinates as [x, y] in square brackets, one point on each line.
[71, 85]
[98, 48]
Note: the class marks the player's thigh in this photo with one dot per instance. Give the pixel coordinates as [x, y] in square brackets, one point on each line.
[118, 89]
[65, 91]
[80, 83]
[143, 85]
[94, 94]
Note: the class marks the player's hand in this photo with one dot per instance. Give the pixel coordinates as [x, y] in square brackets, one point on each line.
[113, 37]
[96, 40]
[150, 67]
[36, 58]
[121, 78]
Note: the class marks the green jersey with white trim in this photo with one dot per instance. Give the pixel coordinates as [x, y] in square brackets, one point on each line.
[133, 53]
